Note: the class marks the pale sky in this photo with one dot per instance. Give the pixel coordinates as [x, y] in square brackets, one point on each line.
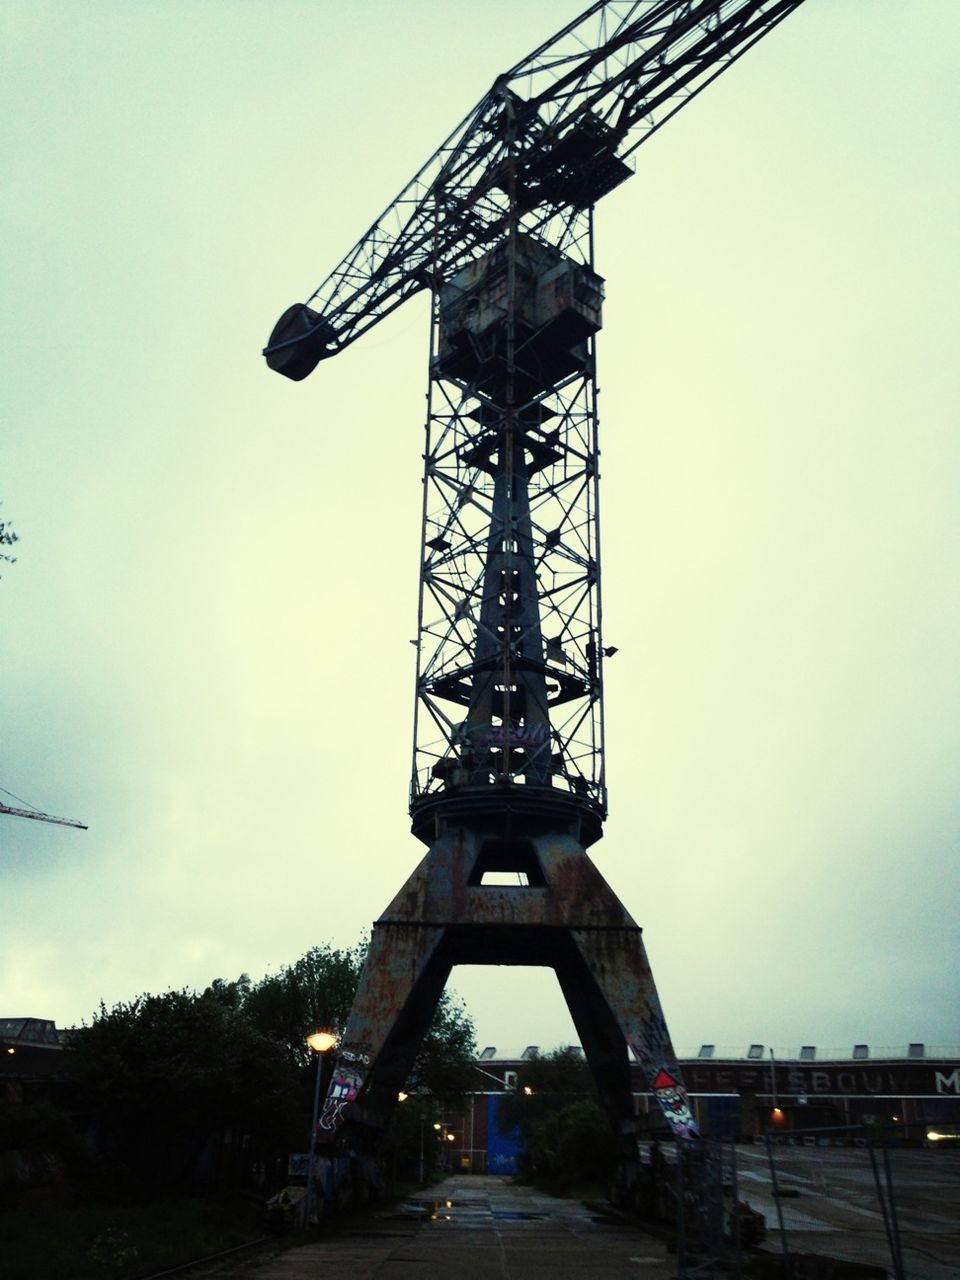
[205, 640]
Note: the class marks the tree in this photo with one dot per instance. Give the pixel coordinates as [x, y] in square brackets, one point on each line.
[7, 539]
[546, 1083]
[316, 993]
[447, 1053]
[163, 1075]
[565, 1137]
[312, 994]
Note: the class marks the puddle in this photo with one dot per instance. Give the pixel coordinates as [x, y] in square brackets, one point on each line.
[449, 1210]
[379, 1235]
[436, 1210]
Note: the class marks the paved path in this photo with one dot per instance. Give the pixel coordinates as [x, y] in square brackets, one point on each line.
[477, 1228]
[474, 1228]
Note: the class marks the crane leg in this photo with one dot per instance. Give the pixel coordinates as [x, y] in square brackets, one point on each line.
[564, 916]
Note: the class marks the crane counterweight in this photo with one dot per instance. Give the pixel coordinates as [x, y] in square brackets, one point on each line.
[300, 340]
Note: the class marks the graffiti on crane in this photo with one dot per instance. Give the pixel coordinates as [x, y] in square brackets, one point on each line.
[652, 1040]
[347, 1081]
[652, 1048]
[674, 1104]
[531, 736]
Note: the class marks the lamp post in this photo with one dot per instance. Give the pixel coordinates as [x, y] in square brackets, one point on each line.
[776, 1114]
[320, 1042]
[437, 1127]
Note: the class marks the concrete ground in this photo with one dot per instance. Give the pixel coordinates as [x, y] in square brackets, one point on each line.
[832, 1205]
[485, 1228]
[473, 1228]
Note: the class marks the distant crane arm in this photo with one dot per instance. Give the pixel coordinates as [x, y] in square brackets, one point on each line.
[557, 127]
[37, 816]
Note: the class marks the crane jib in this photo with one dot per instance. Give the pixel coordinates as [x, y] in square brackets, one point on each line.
[553, 135]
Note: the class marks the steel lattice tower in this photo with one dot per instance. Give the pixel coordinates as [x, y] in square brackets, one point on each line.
[509, 689]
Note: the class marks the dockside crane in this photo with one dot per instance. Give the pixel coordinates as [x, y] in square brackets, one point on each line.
[508, 774]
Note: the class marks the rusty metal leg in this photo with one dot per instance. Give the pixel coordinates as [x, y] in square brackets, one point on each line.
[617, 963]
[562, 914]
[401, 983]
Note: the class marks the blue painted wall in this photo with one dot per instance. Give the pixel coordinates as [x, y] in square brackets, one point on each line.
[502, 1149]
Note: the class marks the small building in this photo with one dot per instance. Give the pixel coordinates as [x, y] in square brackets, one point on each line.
[31, 1058]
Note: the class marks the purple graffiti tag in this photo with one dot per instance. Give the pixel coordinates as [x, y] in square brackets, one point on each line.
[535, 735]
[346, 1083]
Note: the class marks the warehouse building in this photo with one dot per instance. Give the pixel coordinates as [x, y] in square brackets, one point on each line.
[910, 1094]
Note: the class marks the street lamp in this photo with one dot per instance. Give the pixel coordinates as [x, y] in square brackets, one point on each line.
[422, 1123]
[320, 1042]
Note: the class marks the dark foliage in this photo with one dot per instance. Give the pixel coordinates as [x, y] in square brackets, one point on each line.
[447, 1053]
[165, 1075]
[566, 1139]
[169, 1080]
[7, 539]
[313, 994]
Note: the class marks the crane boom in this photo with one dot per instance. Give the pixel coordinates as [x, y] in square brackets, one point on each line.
[572, 113]
[37, 816]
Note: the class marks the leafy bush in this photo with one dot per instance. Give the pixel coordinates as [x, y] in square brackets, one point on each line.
[572, 1147]
[566, 1139]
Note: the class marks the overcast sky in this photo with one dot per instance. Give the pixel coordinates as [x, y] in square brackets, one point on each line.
[205, 639]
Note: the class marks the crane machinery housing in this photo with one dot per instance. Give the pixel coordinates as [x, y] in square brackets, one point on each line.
[508, 756]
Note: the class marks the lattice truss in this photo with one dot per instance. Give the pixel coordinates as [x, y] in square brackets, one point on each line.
[546, 534]
[577, 107]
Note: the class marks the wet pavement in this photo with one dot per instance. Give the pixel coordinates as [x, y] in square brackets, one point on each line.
[485, 1228]
[474, 1228]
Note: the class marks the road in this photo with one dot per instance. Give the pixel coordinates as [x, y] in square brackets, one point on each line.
[832, 1207]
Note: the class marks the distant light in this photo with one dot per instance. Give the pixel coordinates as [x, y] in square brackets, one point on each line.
[528, 1091]
[451, 1137]
[11, 1051]
[438, 1127]
[402, 1097]
[934, 1136]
